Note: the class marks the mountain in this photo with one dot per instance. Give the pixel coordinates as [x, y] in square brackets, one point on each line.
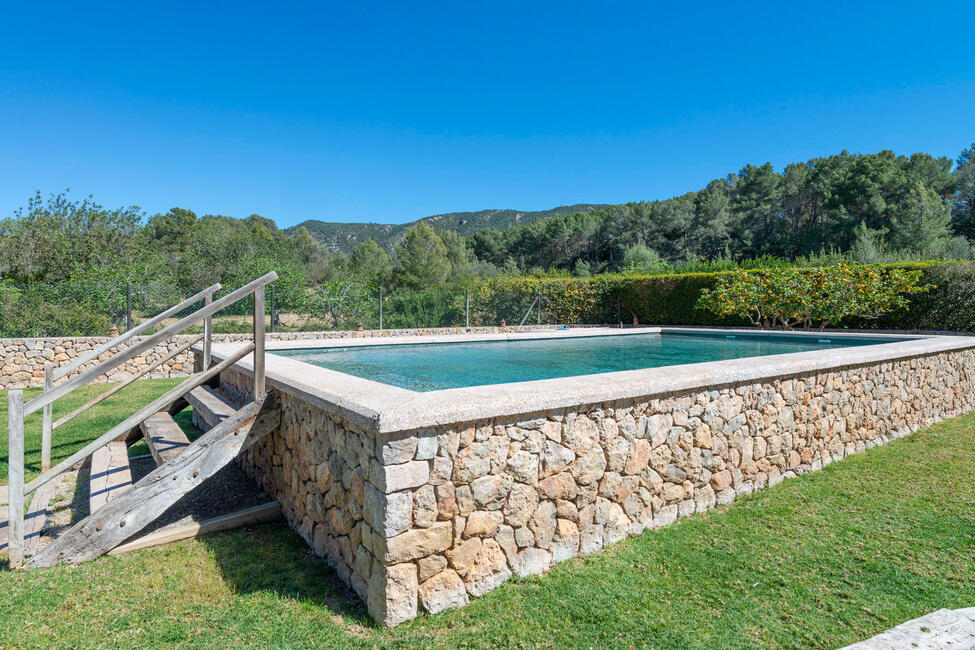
[345, 236]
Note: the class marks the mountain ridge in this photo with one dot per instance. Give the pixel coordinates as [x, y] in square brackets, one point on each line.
[343, 237]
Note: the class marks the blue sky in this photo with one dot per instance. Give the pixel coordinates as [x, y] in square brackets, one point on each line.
[393, 111]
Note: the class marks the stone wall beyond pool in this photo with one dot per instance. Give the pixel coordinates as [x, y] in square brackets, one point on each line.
[428, 519]
[22, 359]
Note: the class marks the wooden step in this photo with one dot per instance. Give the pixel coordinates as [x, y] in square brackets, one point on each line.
[210, 408]
[37, 516]
[165, 438]
[256, 515]
[110, 475]
[126, 515]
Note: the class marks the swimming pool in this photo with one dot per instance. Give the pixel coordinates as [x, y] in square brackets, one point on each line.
[433, 366]
[585, 437]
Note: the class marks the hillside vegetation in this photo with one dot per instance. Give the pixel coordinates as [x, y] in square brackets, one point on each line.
[344, 237]
[66, 262]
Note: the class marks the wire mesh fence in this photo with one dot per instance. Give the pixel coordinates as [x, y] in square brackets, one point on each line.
[67, 309]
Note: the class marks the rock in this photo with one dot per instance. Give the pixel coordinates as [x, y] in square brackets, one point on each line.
[506, 540]
[523, 466]
[559, 486]
[390, 514]
[639, 457]
[442, 469]
[721, 480]
[705, 498]
[521, 503]
[702, 437]
[566, 542]
[658, 426]
[393, 478]
[465, 500]
[542, 524]
[425, 507]
[446, 501]
[393, 452]
[555, 458]
[532, 562]
[672, 492]
[552, 430]
[588, 468]
[581, 435]
[524, 537]
[490, 491]
[483, 523]
[392, 594]
[443, 591]
[617, 525]
[618, 453]
[472, 462]
[417, 543]
[426, 448]
[430, 566]
[489, 571]
[665, 516]
[725, 496]
[462, 557]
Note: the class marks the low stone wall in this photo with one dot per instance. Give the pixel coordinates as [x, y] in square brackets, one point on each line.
[22, 360]
[430, 518]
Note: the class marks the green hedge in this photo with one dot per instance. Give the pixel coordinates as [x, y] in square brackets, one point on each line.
[671, 299]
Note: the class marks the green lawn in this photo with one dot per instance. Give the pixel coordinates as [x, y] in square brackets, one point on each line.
[72, 436]
[820, 561]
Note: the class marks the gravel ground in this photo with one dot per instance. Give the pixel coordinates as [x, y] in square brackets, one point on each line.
[229, 490]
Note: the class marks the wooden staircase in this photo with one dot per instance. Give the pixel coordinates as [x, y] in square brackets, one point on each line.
[120, 509]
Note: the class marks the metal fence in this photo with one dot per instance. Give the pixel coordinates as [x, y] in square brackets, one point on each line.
[65, 309]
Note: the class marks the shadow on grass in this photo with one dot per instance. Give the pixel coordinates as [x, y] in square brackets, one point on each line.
[272, 558]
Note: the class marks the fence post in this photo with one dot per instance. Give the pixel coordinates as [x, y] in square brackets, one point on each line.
[48, 424]
[380, 307]
[207, 333]
[15, 478]
[259, 388]
[272, 308]
[467, 308]
[539, 309]
[128, 306]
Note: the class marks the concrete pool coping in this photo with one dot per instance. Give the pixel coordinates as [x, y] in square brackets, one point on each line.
[388, 409]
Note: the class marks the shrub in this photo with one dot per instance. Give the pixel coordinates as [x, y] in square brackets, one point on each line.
[790, 297]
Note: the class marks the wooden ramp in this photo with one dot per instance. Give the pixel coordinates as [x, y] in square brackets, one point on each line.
[110, 474]
[126, 514]
[165, 438]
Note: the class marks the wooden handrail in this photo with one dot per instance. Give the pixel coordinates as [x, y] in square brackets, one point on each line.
[138, 417]
[119, 386]
[118, 340]
[124, 355]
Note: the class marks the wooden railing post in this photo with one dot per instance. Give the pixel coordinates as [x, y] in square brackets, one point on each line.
[48, 423]
[259, 388]
[207, 333]
[15, 478]
[128, 306]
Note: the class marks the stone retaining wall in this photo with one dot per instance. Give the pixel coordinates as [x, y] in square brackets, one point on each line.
[22, 360]
[434, 517]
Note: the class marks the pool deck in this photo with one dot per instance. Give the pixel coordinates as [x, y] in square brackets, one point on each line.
[388, 409]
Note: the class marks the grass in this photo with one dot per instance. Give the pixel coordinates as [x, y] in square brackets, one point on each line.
[72, 436]
[820, 561]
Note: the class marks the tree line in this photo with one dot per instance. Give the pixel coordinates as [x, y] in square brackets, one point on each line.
[869, 207]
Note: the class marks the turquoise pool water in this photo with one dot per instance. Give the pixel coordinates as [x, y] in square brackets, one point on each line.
[426, 367]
